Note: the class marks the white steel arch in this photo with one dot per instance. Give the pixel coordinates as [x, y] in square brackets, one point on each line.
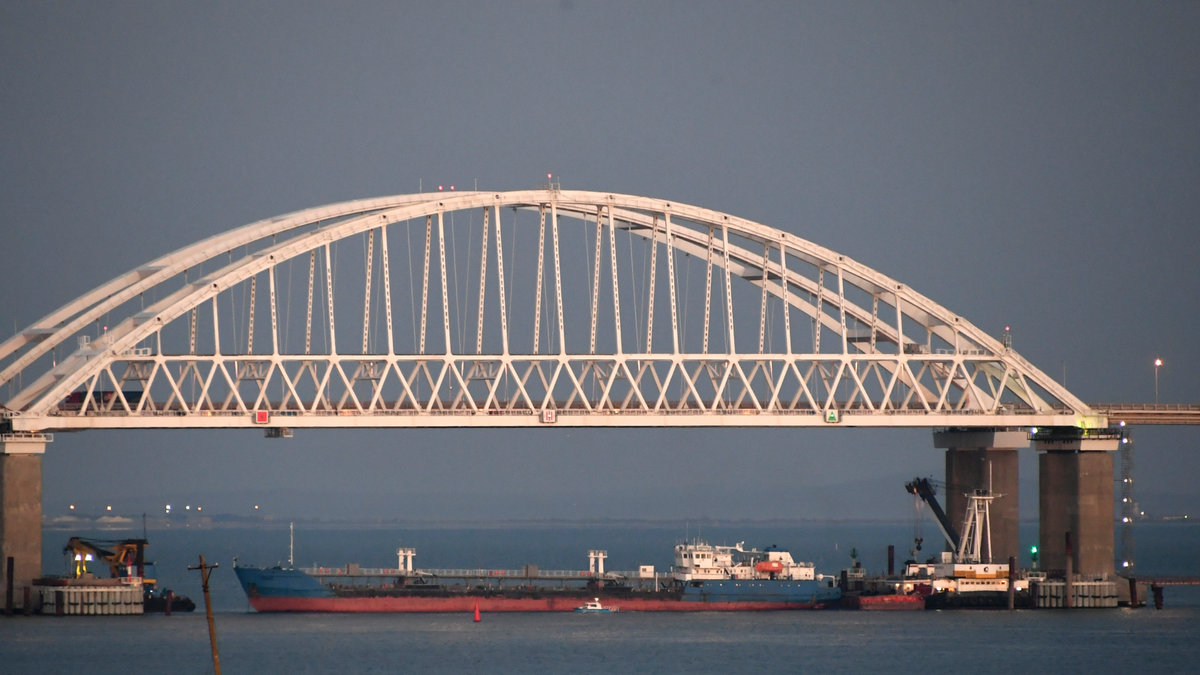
[890, 356]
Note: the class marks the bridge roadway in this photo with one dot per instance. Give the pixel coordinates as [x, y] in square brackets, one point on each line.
[563, 413]
[1144, 414]
[673, 413]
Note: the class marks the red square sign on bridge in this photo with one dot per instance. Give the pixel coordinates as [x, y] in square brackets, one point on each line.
[262, 416]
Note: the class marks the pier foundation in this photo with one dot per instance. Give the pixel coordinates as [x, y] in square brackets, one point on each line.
[1075, 495]
[21, 513]
[973, 459]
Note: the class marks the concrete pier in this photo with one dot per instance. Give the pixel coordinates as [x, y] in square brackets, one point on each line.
[1075, 494]
[970, 455]
[21, 511]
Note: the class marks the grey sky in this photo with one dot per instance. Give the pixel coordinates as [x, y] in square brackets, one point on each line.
[1033, 165]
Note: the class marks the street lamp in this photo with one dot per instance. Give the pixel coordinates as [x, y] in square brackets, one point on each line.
[1157, 364]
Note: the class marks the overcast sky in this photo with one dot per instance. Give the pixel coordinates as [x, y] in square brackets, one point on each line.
[1033, 165]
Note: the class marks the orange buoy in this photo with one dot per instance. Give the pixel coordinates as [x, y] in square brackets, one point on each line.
[477, 612]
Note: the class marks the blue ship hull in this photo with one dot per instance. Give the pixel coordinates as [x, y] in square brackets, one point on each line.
[290, 590]
[276, 582]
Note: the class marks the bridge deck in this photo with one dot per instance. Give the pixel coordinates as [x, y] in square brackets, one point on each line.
[573, 417]
[1150, 413]
[670, 414]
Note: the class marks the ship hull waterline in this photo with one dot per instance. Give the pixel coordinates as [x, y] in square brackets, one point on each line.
[467, 603]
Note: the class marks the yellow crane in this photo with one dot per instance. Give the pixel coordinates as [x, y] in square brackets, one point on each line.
[125, 557]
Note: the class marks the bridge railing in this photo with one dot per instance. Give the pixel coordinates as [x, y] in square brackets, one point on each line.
[1148, 407]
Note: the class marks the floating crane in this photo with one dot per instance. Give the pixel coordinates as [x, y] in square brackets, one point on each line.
[926, 489]
[127, 559]
[976, 527]
[964, 577]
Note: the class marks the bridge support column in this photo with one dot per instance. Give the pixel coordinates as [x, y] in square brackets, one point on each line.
[21, 511]
[973, 459]
[1075, 494]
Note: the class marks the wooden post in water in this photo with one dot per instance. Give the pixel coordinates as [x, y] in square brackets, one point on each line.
[205, 571]
[8, 582]
[1012, 582]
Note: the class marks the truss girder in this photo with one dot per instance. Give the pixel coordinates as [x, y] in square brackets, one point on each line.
[974, 379]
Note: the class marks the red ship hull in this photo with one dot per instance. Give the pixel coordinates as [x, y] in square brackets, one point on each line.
[884, 602]
[467, 603]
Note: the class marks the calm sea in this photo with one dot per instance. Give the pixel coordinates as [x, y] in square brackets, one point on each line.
[1095, 641]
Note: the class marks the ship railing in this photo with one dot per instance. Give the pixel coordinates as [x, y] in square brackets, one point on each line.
[558, 574]
[466, 573]
[449, 572]
[361, 572]
[471, 573]
[519, 574]
[626, 574]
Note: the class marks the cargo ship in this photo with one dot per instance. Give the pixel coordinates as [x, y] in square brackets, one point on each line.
[705, 577]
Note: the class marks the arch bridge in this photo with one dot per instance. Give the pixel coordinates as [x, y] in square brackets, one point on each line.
[515, 309]
[541, 308]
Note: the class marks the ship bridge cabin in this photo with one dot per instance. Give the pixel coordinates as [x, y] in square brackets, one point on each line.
[699, 560]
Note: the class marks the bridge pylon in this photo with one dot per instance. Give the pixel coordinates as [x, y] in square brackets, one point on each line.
[986, 459]
[21, 511]
[1075, 495]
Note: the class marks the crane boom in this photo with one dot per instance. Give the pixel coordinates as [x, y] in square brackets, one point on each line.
[128, 553]
[924, 489]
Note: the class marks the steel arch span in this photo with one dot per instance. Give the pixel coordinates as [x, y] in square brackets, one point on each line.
[515, 309]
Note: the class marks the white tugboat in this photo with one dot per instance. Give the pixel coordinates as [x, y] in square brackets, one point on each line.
[595, 607]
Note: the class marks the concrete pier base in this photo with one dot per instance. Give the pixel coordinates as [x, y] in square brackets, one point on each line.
[1075, 494]
[970, 457]
[21, 513]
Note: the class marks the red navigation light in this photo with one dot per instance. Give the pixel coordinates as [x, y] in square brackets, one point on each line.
[439, 187]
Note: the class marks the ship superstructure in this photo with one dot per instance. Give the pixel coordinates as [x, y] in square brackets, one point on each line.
[700, 560]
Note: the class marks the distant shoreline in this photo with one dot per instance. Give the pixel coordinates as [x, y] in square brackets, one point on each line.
[118, 523]
[216, 522]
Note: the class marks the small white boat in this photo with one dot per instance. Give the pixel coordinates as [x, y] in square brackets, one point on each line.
[594, 607]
